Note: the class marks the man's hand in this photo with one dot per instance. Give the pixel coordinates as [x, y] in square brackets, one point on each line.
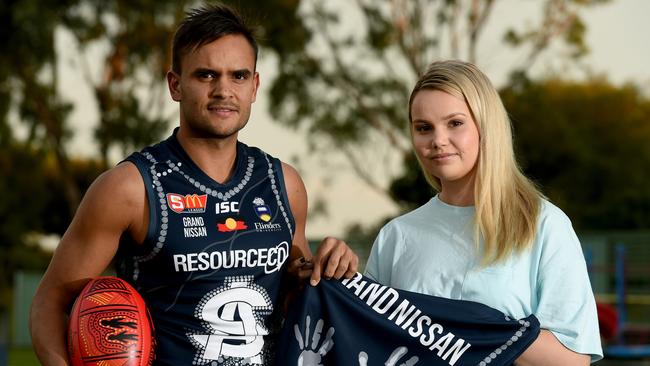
[300, 268]
[333, 259]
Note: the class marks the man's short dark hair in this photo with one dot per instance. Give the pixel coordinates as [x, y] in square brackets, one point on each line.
[206, 24]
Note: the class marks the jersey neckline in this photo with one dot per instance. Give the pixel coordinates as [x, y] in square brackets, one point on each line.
[237, 176]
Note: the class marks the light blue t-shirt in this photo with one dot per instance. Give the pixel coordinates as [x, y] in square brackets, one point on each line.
[431, 250]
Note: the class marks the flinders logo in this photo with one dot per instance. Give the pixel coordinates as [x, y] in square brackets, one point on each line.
[267, 226]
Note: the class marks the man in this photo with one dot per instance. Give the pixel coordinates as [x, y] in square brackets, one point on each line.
[201, 224]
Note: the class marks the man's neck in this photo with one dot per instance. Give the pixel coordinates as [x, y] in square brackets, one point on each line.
[215, 157]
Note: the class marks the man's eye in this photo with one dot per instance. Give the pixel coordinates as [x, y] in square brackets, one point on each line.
[206, 75]
[240, 75]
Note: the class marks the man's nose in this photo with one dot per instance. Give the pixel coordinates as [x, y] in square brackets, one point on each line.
[221, 88]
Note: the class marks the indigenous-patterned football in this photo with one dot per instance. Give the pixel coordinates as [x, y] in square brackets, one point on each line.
[110, 326]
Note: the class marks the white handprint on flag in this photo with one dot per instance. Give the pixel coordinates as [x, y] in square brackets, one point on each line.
[312, 354]
[392, 359]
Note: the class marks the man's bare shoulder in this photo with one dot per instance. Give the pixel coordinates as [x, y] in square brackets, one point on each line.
[291, 175]
[124, 177]
[121, 184]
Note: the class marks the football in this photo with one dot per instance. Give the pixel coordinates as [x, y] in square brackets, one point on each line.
[110, 325]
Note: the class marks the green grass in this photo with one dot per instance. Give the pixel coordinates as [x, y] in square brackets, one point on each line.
[22, 357]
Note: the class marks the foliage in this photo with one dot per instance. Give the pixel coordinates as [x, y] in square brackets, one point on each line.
[348, 80]
[33, 203]
[131, 91]
[586, 145]
[411, 190]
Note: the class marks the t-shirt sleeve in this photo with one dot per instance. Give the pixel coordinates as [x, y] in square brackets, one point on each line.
[566, 304]
[380, 262]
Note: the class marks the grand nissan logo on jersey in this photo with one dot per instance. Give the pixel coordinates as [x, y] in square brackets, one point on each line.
[189, 203]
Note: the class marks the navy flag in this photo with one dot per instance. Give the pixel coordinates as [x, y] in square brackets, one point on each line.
[361, 322]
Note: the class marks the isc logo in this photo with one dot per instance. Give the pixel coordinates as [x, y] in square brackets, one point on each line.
[226, 207]
[189, 203]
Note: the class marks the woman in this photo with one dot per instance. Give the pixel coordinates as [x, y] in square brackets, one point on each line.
[488, 235]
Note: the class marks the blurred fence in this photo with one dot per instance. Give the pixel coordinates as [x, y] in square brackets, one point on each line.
[630, 281]
[25, 284]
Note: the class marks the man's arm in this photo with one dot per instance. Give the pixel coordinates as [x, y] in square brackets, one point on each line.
[114, 203]
[333, 258]
[546, 350]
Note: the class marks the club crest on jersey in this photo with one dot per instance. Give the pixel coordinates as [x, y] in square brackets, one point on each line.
[189, 203]
[231, 224]
[262, 210]
[234, 330]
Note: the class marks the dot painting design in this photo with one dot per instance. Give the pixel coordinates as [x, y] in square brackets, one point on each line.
[276, 193]
[492, 356]
[164, 214]
[224, 196]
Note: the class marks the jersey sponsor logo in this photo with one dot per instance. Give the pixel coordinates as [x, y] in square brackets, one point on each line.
[189, 203]
[267, 226]
[231, 224]
[271, 259]
[262, 210]
[226, 207]
[232, 317]
[194, 227]
[391, 304]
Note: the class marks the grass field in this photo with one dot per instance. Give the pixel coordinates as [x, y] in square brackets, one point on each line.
[22, 357]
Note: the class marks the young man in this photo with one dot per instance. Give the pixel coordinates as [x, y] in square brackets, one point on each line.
[201, 224]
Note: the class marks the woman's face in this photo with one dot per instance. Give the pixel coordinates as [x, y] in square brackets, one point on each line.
[445, 137]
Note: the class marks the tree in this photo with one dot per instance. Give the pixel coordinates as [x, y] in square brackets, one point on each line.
[33, 204]
[28, 77]
[131, 91]
[585, 143]
[347, 84]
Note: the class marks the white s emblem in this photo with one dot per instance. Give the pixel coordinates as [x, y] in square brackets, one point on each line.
[231, 318]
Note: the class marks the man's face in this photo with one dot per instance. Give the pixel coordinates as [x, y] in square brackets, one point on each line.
[216, 87]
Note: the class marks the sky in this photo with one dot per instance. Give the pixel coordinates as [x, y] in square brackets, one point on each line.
[617, 35]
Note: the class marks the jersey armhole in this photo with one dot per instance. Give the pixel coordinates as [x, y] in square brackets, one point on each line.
[277, 165]
[137, 160]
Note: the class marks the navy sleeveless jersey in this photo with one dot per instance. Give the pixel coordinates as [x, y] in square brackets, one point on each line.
[211, 266]
[359, 322]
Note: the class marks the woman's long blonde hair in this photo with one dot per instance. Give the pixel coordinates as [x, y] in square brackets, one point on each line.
[507, 203]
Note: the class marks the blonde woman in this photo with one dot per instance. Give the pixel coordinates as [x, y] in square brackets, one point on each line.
[488, 235]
